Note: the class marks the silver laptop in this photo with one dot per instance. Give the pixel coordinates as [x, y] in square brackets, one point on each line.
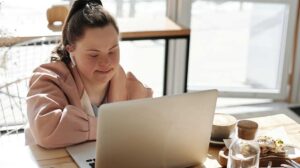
[170, 131]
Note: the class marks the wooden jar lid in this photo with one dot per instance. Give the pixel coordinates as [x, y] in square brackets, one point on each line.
[247, 129]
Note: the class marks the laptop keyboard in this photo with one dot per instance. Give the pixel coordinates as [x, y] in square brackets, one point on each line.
[91, 162]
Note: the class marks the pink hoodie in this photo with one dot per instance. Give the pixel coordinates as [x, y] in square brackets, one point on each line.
[59, 111]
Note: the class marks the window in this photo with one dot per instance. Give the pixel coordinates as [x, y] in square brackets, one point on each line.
[144, 58]
[242, 48]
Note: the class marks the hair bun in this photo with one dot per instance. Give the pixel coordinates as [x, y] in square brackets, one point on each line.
[94, 1]
[100, 2]
[80, 4]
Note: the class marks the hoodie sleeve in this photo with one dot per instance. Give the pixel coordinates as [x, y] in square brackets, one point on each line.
[53, 121]
[127, 87]
[135, 89]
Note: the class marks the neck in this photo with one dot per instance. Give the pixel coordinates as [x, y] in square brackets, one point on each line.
[96, 92]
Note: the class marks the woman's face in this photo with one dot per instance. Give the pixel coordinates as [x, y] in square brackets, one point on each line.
[97, 54]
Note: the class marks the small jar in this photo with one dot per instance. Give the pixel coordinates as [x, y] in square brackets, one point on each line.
[244, 151]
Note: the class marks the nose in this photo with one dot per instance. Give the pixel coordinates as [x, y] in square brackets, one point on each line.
[103, 61]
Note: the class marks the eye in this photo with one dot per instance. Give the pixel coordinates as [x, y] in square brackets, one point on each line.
[111, 52]
[93, 55]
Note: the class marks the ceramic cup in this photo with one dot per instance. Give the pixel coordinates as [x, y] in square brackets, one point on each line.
[222, 127]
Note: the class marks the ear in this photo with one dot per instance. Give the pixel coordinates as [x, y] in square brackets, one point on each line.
[70, 48]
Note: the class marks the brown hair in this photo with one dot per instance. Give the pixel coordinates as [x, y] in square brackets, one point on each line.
[83, 14]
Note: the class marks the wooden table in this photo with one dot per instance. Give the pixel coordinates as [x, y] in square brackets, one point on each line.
[130, 29]
[35, 156]
[28, 156]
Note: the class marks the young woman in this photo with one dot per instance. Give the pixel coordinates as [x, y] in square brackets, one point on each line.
[65, 95]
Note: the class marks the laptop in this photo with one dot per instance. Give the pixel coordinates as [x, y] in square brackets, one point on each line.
[170, 131]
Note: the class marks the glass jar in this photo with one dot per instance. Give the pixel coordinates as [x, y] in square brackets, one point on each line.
[244, 151]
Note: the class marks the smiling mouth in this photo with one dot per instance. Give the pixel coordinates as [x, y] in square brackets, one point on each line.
[104, 71]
